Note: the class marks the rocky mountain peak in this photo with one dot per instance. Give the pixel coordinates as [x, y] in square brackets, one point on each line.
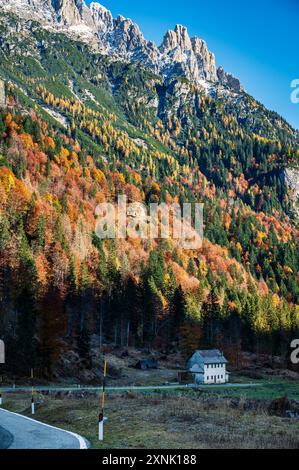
[205, 58]
[189, 56]
[71, 16]
[121, 37]
[72, 12]
[177, 38]
[126, 38]
[198, 45]
[102, 18]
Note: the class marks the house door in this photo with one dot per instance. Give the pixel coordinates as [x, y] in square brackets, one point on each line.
[215, 379]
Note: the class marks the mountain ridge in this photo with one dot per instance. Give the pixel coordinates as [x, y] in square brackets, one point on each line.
[121, 38]
[78, 127]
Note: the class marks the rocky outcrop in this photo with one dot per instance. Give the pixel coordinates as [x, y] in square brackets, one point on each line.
[182, 55]
[69, 16]
[205, 59]
[291, 179]
[229, 81]
[121, 38]
[102, 18]
[177, 41]
[127, 41]
[2, 93]
[72, 12]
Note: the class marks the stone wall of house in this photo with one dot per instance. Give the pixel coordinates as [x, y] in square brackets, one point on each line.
[2, 93]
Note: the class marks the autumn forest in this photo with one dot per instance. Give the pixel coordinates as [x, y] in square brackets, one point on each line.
[68, 143]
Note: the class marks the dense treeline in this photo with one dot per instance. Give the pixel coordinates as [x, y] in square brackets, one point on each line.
[79, 130]
[60, 284]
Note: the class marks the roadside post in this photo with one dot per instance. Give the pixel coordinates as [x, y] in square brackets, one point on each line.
[102, 407]
[32, 394]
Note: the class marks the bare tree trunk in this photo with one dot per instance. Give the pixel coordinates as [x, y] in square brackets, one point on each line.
[115, 335]
[128, 333]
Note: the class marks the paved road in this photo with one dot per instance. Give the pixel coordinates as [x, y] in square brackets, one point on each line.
[6, 438]
[20, 432]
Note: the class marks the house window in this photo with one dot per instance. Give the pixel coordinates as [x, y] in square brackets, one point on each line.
[208, 378]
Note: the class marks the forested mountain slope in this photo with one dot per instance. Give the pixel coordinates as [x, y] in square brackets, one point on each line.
[80, 127]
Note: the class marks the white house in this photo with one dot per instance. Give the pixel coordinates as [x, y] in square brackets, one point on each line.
[208, 367]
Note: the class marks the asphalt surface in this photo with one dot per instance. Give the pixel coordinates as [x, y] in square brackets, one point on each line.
[6, 439]
[20, 432]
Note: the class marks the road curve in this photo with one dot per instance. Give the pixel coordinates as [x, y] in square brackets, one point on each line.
[20, 432]
[6, 439]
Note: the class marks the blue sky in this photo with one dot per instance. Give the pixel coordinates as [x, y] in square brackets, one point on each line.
[257, 40]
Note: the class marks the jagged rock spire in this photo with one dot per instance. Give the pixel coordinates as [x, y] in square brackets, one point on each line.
[121, 37]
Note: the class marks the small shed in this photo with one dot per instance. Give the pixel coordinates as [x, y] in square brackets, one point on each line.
[145, 364]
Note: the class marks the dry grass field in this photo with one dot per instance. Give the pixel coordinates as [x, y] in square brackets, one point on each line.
[166, 420]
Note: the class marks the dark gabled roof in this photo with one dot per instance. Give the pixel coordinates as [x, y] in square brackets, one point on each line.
[149, 363]
[211, 356]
